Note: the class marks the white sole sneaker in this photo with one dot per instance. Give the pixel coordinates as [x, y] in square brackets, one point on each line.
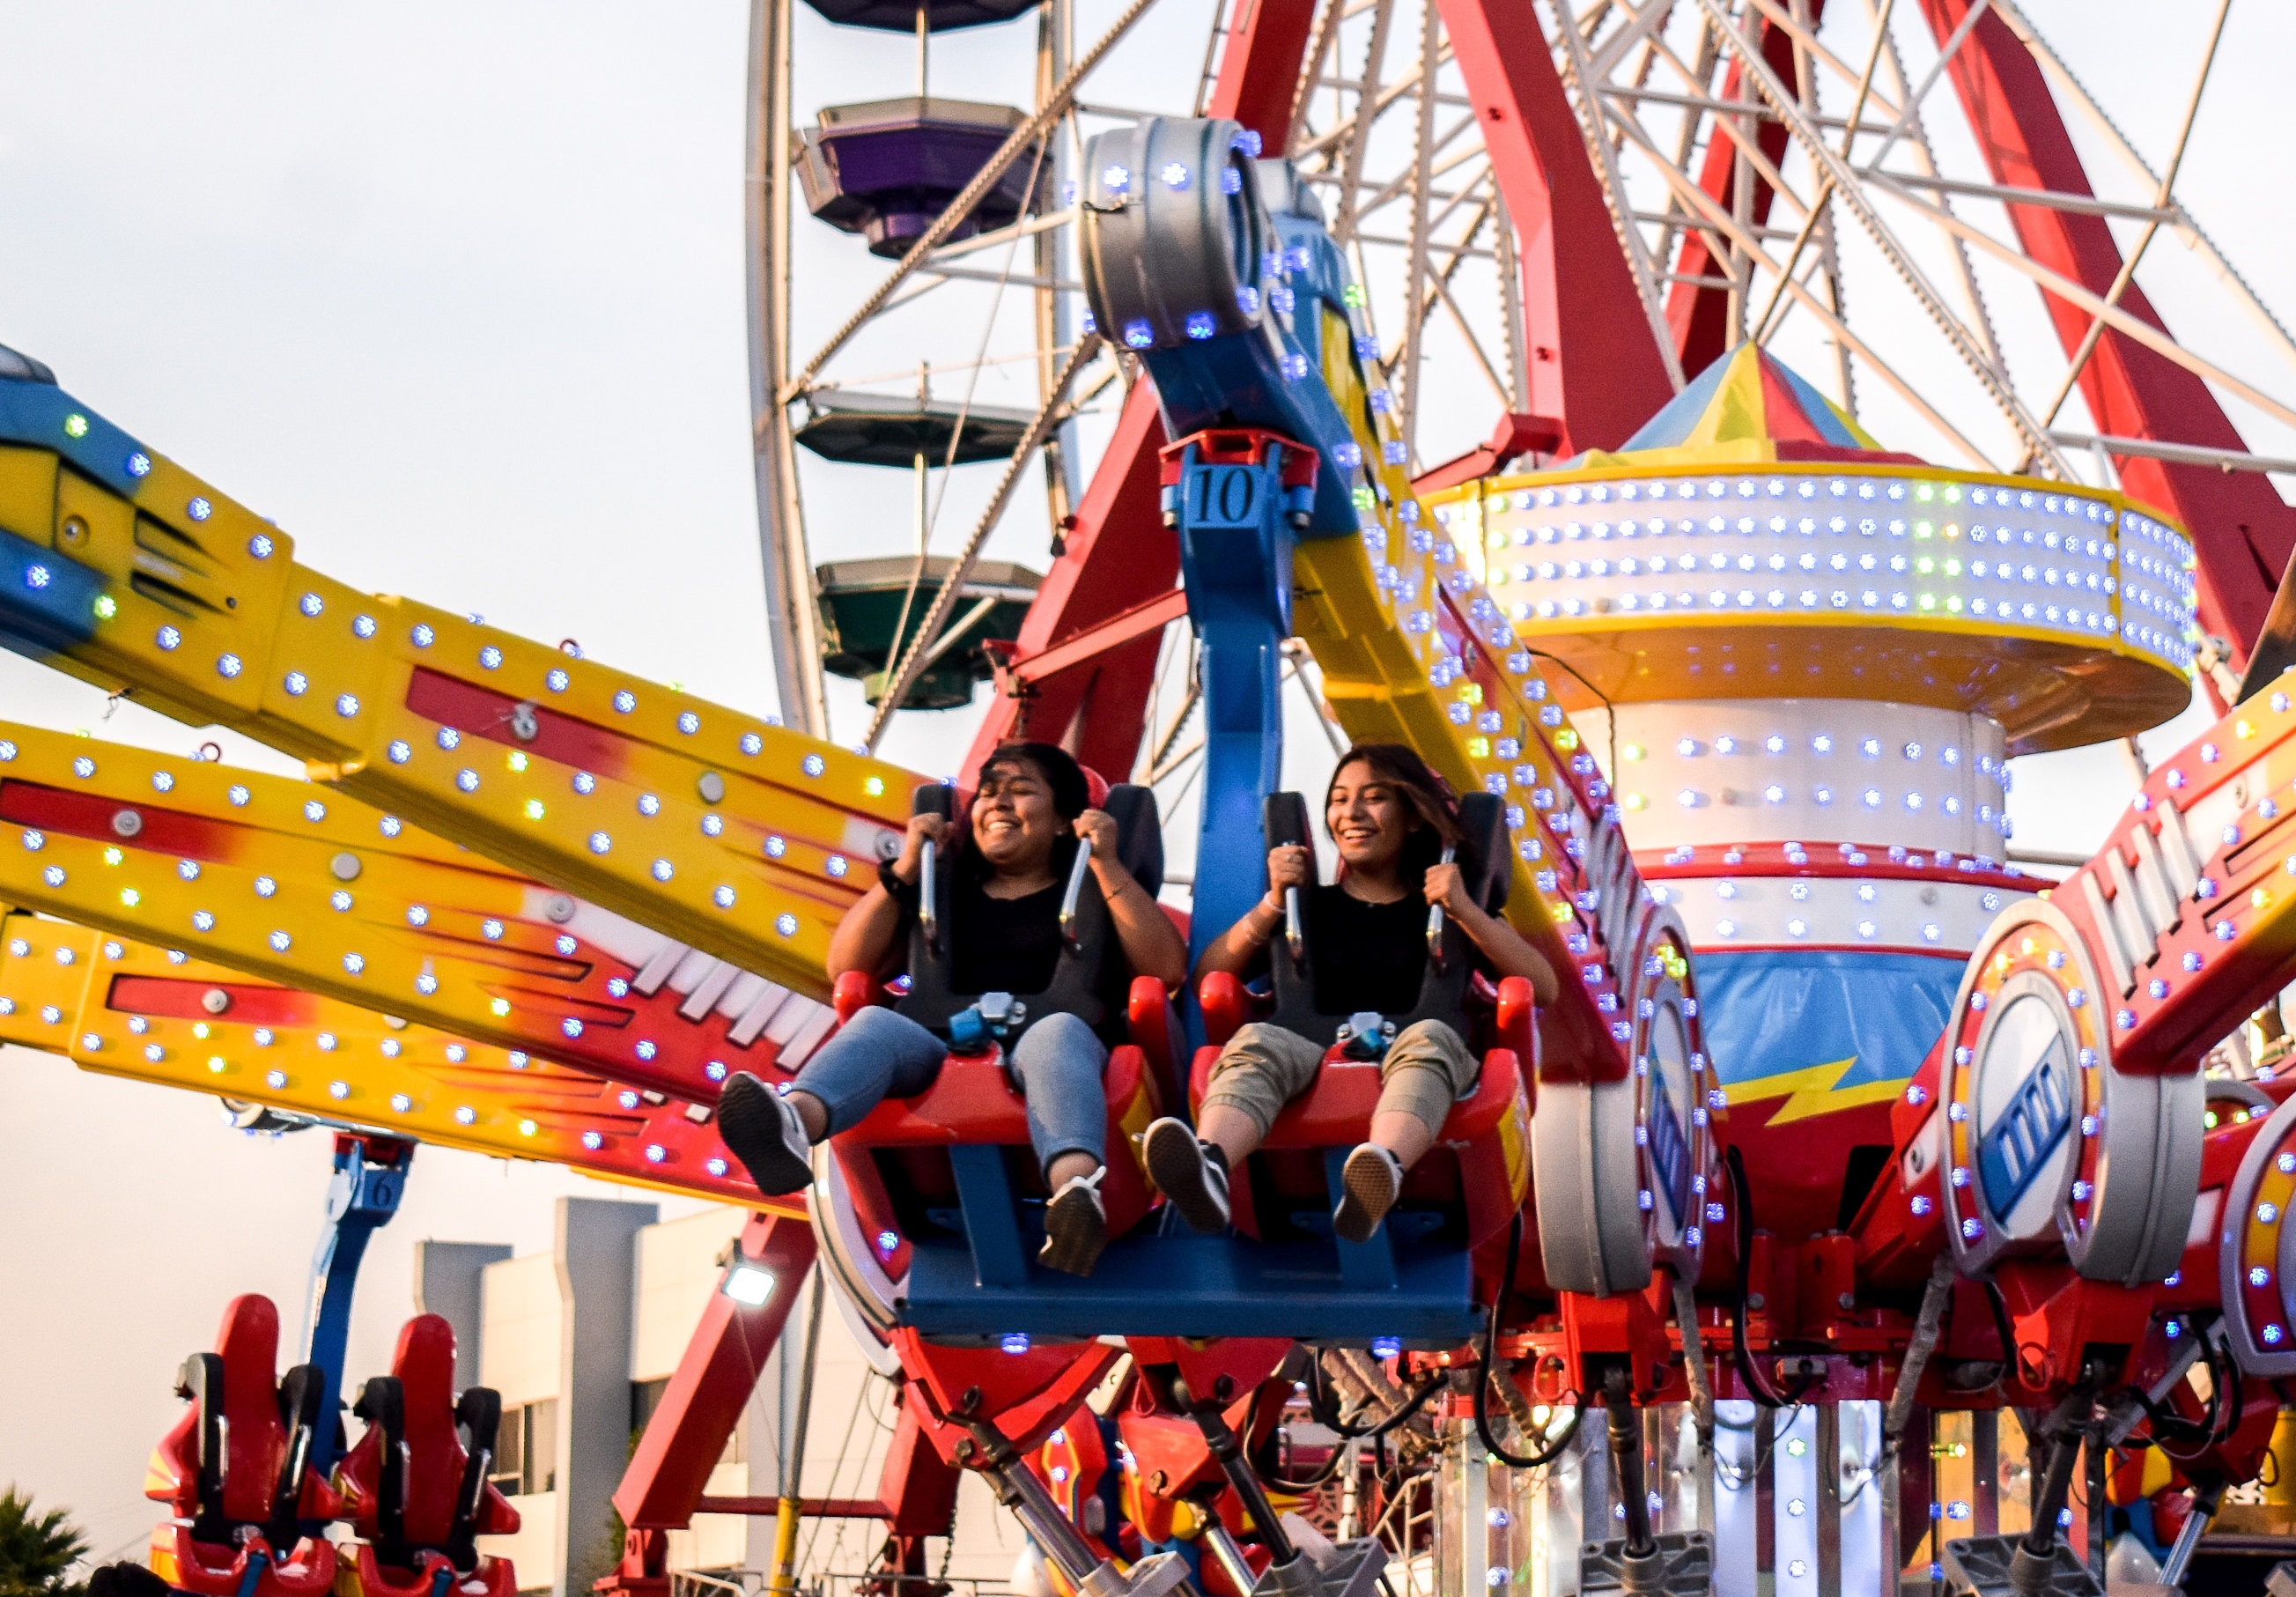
[1190, 1179]
[762, 1129]
[1076, 1226]
[1369, 1183]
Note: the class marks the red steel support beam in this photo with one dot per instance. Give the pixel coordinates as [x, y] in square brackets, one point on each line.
[2242, 530]
[686, 1435]
[1118, 554]
[1593, 365]
[1110, 635]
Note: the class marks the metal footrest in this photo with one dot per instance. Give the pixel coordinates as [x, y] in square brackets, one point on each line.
[1324, 1568]
[1682, 1565]
[1343, 1569]
[1982, 1566]
[1152, 1576]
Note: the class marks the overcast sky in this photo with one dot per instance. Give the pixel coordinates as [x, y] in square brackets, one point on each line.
[455, 294]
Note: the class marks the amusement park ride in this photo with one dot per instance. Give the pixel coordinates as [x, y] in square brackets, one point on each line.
[1841, 1115]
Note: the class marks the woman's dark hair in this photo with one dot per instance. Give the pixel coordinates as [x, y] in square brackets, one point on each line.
[1427, 794]
[1071, 793]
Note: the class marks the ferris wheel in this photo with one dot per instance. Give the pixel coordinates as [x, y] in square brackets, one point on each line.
[1560, 215]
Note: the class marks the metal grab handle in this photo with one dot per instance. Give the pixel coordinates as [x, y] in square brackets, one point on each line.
[1435, 916]
[928, 901]
[1295, 934]
[1075, 891]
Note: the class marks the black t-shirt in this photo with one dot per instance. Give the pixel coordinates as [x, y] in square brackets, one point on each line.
[1366, 956]
[1013, 944]
[1003, 944]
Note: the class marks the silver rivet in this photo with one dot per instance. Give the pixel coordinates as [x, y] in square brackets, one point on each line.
[712, 788]
[214, 1000]
[524, 725]
[394, 1023]
[559, 910]
[344, 866]
[127, 823]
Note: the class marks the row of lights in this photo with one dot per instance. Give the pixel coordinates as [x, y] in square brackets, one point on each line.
[265, 886]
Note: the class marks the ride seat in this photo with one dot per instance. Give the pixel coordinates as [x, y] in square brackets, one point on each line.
[1472, 1182]
[234, 1468]
[963, 1144]
[419, 1496]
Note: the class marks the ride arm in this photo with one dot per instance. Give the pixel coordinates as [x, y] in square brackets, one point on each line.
[731, 834]
[121, 1008]
[309, 889]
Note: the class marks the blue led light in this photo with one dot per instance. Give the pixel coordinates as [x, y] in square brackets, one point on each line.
[1137, 334]
[1201, 325]
[1013, 1342]
[1231, 181]
[1173, 175]
[1116, 179]
[1246, 142]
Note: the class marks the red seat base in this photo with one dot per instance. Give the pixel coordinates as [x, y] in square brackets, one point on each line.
[1480, 1164]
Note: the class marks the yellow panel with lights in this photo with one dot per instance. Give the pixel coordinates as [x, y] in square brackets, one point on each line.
[300, 886]
[125, 1008]
[735, 835]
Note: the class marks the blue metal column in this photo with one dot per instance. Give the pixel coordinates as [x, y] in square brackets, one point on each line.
[363, 1195]
[1236, 539]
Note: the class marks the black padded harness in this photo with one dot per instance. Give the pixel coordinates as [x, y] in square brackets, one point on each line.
[933, 998]
[1482, 861]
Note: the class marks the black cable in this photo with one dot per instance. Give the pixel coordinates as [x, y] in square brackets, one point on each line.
[1553, 1449]
[1749, 1373]
[1999, 1305]
[1416, 1402]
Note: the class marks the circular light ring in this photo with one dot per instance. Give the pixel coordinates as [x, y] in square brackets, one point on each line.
[1677, 1145]
[2246, 1242]
[2120, 1205]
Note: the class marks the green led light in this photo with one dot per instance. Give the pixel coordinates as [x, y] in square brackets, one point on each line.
[1929, 601]
[1353, 296]
[516, 761]
[106, 607]
[533, 809]
[874, 786]
[130, 897]
[75, 425]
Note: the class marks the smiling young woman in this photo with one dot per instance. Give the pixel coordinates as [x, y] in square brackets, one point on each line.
[1004, 937]
[1390, 818]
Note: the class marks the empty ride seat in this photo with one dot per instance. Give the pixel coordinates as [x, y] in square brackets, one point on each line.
[914, 1166]
[1473, 1180]
[235, 1469]
[416, 1483]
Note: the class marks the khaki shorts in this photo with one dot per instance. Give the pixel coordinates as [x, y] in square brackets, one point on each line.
[1426, 1070]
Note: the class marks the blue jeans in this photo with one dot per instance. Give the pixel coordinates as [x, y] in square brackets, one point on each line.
[879, 1055]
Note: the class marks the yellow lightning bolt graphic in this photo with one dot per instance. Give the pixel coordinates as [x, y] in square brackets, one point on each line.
[1811, 1091]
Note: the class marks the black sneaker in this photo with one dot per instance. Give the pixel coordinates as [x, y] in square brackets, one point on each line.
[1370, 1181]
[1076, 1226]
[1192, 1174]
[762, 1130]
